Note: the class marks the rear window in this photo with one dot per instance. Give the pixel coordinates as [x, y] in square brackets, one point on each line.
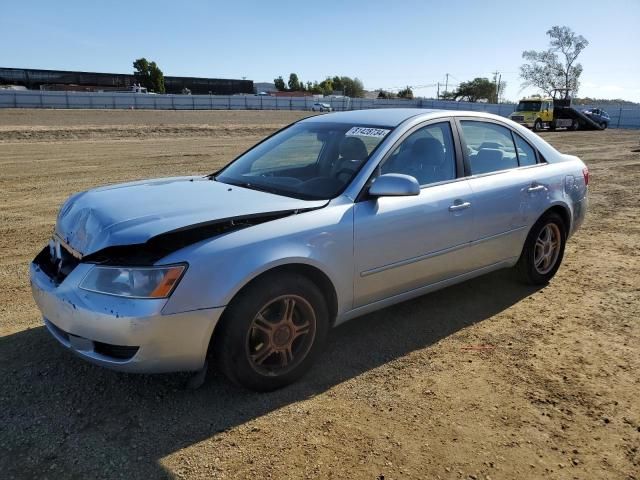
[526, 153]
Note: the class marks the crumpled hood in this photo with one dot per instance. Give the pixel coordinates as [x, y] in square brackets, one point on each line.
[132, 213]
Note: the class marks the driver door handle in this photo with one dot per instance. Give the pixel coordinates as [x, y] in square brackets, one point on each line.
[459, 206]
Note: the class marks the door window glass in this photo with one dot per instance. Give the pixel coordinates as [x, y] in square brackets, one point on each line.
[427, 154]
[489, 147]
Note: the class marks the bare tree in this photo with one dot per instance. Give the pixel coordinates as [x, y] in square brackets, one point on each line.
[555, 67]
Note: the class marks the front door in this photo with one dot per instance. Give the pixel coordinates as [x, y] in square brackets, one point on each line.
[403, 243]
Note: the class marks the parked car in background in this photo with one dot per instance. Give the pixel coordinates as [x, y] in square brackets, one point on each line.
[331, 218]
[321, 107]
[599, 116]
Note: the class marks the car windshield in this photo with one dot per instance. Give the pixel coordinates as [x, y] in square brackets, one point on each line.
[529, 106]
[308, 160]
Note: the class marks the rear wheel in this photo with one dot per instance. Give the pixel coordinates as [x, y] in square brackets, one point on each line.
[272, 332]
[543, 250]
[603, 125]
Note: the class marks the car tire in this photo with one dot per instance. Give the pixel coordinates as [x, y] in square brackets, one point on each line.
[537, 125]
[574, 126]
[269, 315]
[603, 125]
[540, 260]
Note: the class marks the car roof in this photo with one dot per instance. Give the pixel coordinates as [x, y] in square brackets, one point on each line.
[388, 117]
[392, 117]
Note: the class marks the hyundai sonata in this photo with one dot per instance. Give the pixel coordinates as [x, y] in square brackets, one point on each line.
[328, 219]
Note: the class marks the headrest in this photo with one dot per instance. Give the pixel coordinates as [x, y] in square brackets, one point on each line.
[353, 148]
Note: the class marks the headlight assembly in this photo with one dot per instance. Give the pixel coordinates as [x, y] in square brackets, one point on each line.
[133, 282]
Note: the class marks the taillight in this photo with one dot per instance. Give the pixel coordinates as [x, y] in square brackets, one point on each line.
[585, 174]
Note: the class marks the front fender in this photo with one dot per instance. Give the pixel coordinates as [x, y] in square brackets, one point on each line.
[220, 267]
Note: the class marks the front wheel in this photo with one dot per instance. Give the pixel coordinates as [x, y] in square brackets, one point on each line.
[543, 250]
[272, 332]
[603, 125]
[537, 125]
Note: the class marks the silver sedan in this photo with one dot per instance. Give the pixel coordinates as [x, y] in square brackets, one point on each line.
[328, 219]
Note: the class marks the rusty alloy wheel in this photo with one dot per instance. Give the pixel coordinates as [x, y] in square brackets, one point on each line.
[280, 335]
[547, 248]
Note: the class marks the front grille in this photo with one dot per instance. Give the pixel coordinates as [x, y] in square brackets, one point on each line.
[121, 352]
[56, 269]
[517, 118]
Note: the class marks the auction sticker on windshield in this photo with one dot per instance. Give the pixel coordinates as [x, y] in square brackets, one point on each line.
[367, 132]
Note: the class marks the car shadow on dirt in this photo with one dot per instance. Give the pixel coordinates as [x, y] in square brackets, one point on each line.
[60, 415]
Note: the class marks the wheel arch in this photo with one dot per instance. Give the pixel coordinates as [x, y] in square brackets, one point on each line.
[313, 273]
[564, 213]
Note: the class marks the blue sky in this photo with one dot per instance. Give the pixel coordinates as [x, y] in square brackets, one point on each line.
[387, 44]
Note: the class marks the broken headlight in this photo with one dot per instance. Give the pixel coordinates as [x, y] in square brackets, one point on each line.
[134, 282]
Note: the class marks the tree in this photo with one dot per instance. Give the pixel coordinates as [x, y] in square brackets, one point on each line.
[294, 83]
[338, 84]
[383, 94]
[326, 86]
[279, 83]
[406, 93]
[149, 75]
[352, 87]
[473, 91]
[557, 66]
[315, 88]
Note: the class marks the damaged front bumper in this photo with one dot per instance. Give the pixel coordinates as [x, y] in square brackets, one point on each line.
[130, 335]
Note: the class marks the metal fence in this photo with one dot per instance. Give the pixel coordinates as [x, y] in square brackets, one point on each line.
[621, 117]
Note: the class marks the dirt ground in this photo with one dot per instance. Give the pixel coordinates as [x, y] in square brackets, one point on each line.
[487, 379]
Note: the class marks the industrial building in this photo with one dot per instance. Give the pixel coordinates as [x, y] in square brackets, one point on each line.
[93, 82]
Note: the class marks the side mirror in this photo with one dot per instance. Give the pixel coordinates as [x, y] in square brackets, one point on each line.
[394, 185]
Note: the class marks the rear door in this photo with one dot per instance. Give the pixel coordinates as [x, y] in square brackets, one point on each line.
[403, 243]
[500, 191]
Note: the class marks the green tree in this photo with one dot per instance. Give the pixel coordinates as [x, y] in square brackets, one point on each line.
[149, 75]
[383, 94]
[315, 88]
[406, 93]
[326, 86]
[556, 67]
[279, 83]
[338, 84]
[294, 83]
[473, 91]
[352, 87]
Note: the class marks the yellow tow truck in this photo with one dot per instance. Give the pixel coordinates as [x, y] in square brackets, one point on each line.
[538, 113]
[534, 112]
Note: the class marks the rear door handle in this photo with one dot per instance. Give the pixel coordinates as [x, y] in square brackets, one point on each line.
[536, 188]
[459, 206]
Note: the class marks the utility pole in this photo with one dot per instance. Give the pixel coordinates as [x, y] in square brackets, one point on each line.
[446, 85]
[438, 94]
[497, 82]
